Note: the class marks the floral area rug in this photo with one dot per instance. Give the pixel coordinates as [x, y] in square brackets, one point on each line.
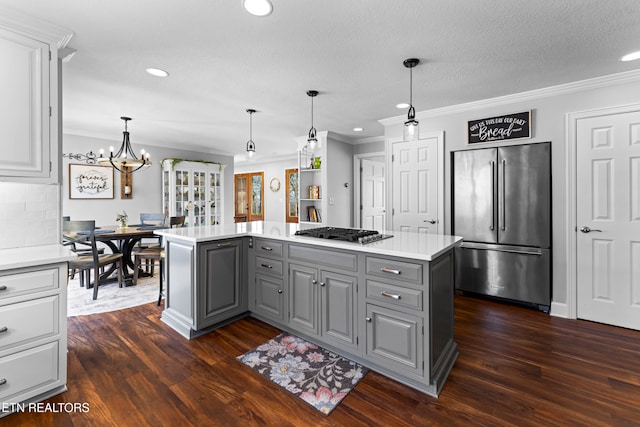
[317, 376]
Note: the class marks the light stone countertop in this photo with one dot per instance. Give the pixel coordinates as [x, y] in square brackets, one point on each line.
[424, 247]
[31, 256]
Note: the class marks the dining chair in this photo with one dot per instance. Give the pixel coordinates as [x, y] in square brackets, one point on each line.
[84, 231]
[80, 248]
[154, 254]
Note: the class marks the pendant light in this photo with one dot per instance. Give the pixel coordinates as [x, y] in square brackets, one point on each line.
[125, 160]
[312, 140]
[411, 130]
[251, 146]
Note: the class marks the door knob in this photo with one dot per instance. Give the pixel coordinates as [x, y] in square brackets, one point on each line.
[430, 221]
[586, 229]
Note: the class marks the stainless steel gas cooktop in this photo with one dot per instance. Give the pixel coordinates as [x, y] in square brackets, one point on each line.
[344, 234]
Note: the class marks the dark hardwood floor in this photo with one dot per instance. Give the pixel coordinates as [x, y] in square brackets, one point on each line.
[517, 366]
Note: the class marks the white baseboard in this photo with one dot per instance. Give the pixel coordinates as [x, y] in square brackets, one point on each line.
[559, 310]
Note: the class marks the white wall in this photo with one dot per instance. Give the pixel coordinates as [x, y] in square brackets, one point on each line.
[147, 184]
[549, 109]
[274, 202]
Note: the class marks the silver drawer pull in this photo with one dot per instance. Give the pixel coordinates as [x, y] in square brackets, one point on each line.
[3, 288]
[387, 294]
[267, 248]
[389, 270]
[267, 265]
[3, 381]
[224, 245]
[3, 329]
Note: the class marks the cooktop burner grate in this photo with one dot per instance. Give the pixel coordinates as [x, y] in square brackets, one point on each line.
[343, 234]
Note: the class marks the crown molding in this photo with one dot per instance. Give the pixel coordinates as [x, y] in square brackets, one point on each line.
[28, 25]
[563, 89]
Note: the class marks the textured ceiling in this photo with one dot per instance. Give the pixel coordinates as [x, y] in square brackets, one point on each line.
[222, 61]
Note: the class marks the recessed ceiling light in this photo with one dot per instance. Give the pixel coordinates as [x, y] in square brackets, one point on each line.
[402, 105]
[631, 56]
[258, 7]
[157, 72]
[358, 129]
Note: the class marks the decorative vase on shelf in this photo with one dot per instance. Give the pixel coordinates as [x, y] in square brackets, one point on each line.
[316, 163]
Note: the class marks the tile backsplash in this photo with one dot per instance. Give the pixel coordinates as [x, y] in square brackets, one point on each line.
[29, 214]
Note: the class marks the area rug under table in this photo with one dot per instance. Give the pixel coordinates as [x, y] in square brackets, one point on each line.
[318, 376]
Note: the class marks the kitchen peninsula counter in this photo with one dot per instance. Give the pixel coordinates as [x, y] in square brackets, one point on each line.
[387, 304]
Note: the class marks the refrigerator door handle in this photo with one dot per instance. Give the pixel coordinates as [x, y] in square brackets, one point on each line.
[493, 201]
[537, 252]
[504, 198]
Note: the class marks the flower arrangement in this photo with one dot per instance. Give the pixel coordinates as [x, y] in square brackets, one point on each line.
[122, 219]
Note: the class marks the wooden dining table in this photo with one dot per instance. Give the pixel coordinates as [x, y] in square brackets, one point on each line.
[123, 240]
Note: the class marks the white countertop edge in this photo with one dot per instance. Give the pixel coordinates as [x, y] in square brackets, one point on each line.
[32, 256]
[424, 247]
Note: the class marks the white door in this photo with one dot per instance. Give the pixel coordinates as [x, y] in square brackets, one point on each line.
[608, 219]
[415, 185]
[373, 214]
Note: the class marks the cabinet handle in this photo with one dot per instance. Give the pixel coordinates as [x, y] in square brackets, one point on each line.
[368, 319]
[224, 245]
[314, 281]
[387, 294]
[3, 381]
[267, 248]
[322, 283]
[279, 291]
[267, 265]
[389, 270]
[3, 329]
[3, 288]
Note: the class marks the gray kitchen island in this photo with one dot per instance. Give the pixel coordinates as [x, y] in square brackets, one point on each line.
[387, 304]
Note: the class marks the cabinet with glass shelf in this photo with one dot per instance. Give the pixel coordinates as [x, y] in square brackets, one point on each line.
[194, 190]
[310, 188]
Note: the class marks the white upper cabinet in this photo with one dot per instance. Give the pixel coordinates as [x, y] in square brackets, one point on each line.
[29, 105]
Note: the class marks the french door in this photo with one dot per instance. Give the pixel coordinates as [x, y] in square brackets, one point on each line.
[249, 196]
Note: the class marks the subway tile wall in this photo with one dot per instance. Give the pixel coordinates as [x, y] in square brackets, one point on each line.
[29, 214]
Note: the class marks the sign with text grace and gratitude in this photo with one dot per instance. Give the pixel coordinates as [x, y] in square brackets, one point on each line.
[500, 128]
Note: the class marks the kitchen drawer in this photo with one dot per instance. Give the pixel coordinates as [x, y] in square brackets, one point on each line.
[268, 247]
[28, 373]
[395, 295]
[396, 270]
[332, 258]
[269, 266]
[28, 321]
[27, 281]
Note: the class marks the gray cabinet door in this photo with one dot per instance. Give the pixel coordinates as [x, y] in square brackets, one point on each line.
[219, 284]
[339, 308]
[394, 339]
[303, 298]
[269, 297]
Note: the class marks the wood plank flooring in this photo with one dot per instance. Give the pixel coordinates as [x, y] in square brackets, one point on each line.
[517, 366]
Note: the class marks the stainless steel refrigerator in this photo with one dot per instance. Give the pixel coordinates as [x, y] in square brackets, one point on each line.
[501, 206]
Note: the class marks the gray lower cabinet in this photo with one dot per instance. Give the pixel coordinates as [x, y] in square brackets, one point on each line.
[395, 339]
[220, 269]
[269, 297]
[323, 303]
[207, 284]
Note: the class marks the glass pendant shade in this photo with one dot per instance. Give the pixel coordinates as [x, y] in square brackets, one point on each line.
[125, 160]
[411, 130]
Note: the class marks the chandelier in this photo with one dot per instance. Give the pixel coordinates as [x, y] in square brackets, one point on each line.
[125, 160]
